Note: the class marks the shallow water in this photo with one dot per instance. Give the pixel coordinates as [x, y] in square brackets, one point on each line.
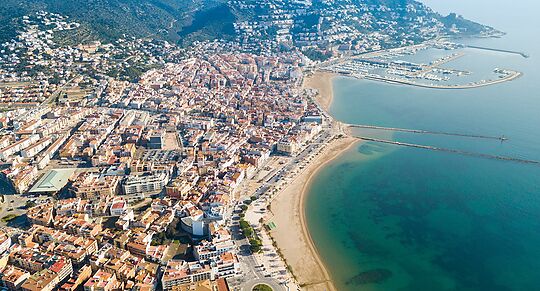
[390, 218]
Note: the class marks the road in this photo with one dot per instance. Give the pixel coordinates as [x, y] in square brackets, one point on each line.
[253, 271]
[16, 203]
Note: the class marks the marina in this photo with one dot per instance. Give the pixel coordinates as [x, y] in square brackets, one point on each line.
[483, 83]
[391, 66]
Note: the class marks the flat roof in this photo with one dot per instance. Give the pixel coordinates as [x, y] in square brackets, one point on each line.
[53, 181]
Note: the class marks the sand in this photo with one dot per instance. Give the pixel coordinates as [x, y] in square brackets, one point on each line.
[291, 234]
[322, 81]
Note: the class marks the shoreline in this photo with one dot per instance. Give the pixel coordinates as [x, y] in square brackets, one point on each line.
[303, 197]
[292, 234]
[322, 82]
[288, 209]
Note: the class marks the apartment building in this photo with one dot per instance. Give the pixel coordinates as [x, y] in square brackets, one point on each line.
[147, 183]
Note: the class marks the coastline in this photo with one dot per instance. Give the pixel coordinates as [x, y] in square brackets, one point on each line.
[291, 234]
[322, 82]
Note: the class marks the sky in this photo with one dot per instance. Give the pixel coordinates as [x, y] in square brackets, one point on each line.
[490, 12]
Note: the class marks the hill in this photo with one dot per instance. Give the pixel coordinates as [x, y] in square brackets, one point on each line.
[299, 22]
[110, 19]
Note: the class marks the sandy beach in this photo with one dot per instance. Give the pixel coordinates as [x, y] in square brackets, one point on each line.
[291, 234]
[322, 81]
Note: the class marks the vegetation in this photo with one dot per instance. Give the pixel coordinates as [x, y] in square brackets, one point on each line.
[208, 24]
[110, 19]
[262, 287]
[463, 26]
[184, 21]
[248, 231]
[9, 217]
[159, 238]
[30, 204]
[316, 55]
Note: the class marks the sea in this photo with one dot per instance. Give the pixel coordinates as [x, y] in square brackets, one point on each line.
[385, 217]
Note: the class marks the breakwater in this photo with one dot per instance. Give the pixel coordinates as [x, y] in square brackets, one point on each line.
[499, 50]
[483, 83]
[454, 151]
[419, 131]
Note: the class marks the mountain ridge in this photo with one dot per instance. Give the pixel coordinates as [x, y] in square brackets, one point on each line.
[184, 21]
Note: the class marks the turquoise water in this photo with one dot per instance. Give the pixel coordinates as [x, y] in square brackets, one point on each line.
[391, 218]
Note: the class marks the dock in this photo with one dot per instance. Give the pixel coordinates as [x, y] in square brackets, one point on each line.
[419, 131]
[439, 62]
[454, 151]
[483, 83]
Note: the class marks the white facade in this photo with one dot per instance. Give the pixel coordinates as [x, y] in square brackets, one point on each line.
[5, 242]
[36, 148]
[145, 184]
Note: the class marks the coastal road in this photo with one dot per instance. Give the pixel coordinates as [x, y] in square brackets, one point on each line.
[253, 272]
[272, 183]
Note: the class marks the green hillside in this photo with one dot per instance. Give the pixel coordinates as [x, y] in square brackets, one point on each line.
[183, 21]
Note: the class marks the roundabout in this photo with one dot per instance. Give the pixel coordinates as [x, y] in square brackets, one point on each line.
[263, 284]
[262, 287]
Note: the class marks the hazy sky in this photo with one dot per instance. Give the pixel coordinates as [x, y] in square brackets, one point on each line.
[481, 8]
[492, 12]
[472, 9]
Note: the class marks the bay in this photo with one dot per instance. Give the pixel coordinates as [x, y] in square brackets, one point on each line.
[390, 218]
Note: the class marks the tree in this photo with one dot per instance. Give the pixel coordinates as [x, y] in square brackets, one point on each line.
[262, 287]
[30, 204]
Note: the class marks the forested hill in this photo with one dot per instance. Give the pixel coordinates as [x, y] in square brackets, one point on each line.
[185, 20]
[110, 19]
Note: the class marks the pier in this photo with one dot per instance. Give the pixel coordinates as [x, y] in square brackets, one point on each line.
[439, 62]
[419, 131]
[499, 50]
[483, 83]
[454, 151]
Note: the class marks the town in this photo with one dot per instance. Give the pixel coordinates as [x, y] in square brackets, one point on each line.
[137, 185]
[137, 164]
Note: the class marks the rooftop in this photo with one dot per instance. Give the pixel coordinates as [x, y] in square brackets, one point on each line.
[52, 181]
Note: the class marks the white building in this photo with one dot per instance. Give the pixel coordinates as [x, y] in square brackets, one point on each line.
[36, 148]
[5, 241]
[208, 250]
[180, 272]
[118, 207]
[145, 184]
[17, 146]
